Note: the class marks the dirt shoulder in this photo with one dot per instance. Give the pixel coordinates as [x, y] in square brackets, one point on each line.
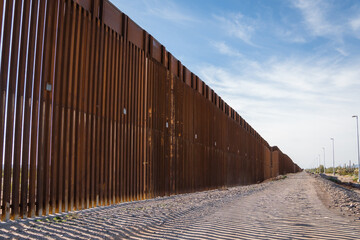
[341, 199]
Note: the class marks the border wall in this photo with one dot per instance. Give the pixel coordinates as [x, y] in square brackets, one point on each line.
[95, 111]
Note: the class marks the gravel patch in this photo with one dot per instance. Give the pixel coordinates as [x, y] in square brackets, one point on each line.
[345, 200]
[295, 206]
[126, 219]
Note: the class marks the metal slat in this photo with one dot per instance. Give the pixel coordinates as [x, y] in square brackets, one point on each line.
[70, 116]
[10, 114]
[142, 139]
[5, 64]
[119, 80]
[46, 96]
[112, 131]
[155, 134]
[40, 121]
[105, 119]
[131, 122]
[132, 130]
[74, 113]
[135, 124]
[123, 119]
[108, 141]
[63, 121]
[2, 6]
[140, 126]
[57, 88]
[27, 107]
[80, 185]
[116, 148]
[83, 115]
[35, 192]
[100, 116]
[149, 131]
[96, 118]
[90, 173]
[120, 120]
[19, 108]
[126, 115]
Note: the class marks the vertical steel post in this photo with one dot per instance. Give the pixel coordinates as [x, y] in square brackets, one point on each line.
[332, 139]
[357, 132]
[324, 159]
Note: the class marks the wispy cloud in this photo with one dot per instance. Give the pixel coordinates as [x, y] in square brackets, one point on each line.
[237, 25]
[290, 36]
[316, 19]
[148, 10]
[315, 94]
[295, 78]
[342, 51]
[225, 49]
[309, 85]
[168, 10]
[354, 23]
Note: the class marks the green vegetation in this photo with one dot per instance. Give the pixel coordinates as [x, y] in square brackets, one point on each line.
[280, 177]
[58, 219]
[334, 179]
[342, 171]
[317, 170]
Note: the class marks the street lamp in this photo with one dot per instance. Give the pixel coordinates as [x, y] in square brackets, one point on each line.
[357, 131]
[319, 165]
[333, 156]
[324, 158]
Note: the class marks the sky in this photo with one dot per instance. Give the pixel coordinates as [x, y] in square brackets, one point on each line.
[290, 68]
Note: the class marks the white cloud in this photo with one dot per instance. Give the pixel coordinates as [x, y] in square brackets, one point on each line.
[290, 36]
[355, 23]
[225, 49]
[342, 51]
[168, 10]
[148, 10]
[329, 19]
[293, 101]
[239, 26]
[315, 13]
[291, 78]
[309, 74]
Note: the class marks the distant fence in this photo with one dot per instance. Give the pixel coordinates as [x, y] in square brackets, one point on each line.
[94, 111]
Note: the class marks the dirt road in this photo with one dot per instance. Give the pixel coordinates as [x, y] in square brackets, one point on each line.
[293, 208]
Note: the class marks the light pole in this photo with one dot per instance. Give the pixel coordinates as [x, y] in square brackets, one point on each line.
[333, 156]
[319, 164]
[357, 131]
[324, 158]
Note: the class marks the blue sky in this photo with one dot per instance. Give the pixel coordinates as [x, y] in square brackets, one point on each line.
[290, 68]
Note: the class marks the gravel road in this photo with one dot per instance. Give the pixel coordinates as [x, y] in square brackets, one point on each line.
[300, 206]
